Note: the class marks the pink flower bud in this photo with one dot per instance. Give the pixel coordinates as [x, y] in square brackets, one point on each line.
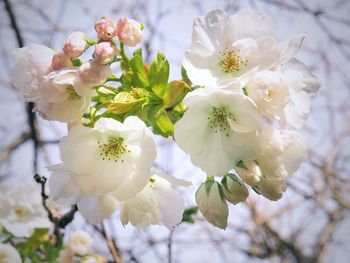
[105, 52]
[60, 60]
[91, 74]
[75, 45]
[106, 28]
[129, 31]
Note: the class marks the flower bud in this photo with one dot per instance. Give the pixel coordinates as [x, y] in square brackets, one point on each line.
[75, 45]
[92, 74]
[249, 171]
[174, 93]
[60, 60]
[80, 242]
[234, 189]
[129, 31]
[212, 204]
[106, 28]
[271, 188]
[105, 52]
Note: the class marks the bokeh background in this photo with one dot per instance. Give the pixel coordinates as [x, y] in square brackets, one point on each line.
[311, 223]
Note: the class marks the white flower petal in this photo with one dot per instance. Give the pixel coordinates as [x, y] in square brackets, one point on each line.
[32, 63]
[95, 209]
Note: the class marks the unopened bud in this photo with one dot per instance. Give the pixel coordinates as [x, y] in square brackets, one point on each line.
[234, 189]
[105, 52]
[175, 93]
[75, 45]
[60, 60]
[129, 31]
[249, 171]
[106, 28]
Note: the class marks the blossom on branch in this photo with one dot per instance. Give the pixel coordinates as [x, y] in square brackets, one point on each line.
[219, 128]
[103, 166]
[225, 47]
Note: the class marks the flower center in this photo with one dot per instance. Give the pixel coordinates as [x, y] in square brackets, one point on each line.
[72, 94]
[3, 255]
[230, 61]
[21, 212]
[218, 120]
[113, 149]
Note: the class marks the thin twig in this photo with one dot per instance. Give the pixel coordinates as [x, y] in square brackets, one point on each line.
[59, 222]
[111, 244]
[30, 105]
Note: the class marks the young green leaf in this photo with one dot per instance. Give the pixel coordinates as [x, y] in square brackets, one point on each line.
[159, 75]
[140, 77]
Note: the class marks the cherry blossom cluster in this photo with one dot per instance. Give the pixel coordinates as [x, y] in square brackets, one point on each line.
[241, 126]
[108, 154]
[235, 112]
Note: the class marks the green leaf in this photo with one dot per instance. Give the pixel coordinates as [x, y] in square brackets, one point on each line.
[189, 213]
[159, 75]
[140, 78]
[29, 247]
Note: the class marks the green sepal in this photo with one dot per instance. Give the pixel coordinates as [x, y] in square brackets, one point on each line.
[76, 62]
[256, 189]
[185, 77]
[241, 164]
[231, 176]
[245, 92]
[164, 126]
[208, 184]
[89, 41]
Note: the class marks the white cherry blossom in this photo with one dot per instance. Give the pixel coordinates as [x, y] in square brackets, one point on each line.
[226, 47]
[60, 99]
[270, 91]
[103, 166]
[219, 129]
[80, 242]
[282, 153]
[8, 254]
[21, 210]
